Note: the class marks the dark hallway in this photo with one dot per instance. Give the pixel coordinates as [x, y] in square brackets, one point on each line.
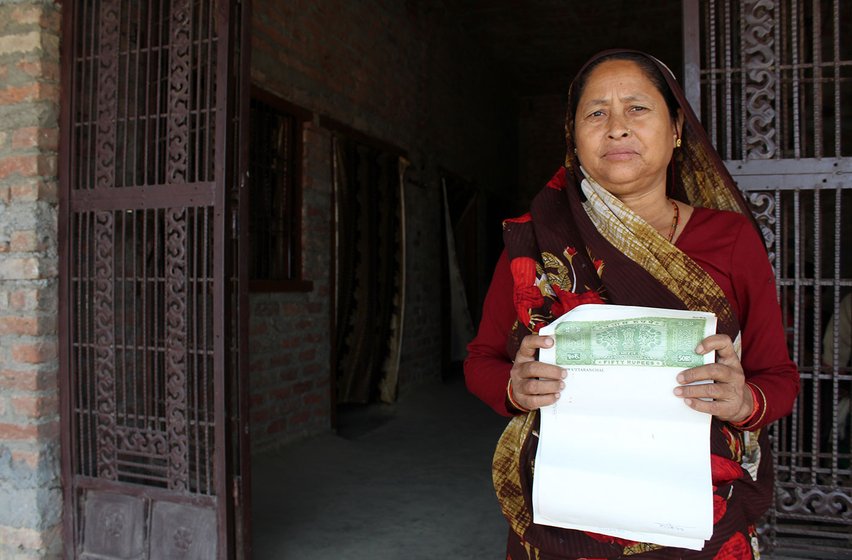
[405, 481]
[472, 94]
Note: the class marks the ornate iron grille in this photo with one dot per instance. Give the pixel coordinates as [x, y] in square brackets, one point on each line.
[143, 353]
[775, 86]
[774, 74]
[151, 277]
[145, 94]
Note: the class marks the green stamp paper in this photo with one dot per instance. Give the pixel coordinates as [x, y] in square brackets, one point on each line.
[641, 341]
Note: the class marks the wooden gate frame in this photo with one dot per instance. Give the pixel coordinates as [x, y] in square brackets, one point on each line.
[129, 511]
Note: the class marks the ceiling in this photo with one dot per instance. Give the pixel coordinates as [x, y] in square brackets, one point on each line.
[540, 44]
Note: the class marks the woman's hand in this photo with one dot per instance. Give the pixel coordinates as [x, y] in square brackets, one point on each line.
[535, 384]
[732, 399]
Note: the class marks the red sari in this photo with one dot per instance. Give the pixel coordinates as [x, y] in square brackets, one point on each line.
[567, 251]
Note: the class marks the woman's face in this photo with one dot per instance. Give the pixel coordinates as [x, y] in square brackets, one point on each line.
[623, 131]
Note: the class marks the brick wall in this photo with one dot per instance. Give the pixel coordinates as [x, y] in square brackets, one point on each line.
[403, 73]
[289, 341]
[30, 495]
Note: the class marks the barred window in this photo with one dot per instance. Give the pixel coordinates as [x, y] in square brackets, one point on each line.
[276, 197]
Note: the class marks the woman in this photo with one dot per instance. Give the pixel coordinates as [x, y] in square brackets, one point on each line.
[643, 213]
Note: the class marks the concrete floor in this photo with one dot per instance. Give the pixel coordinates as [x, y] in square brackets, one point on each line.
[405, 481]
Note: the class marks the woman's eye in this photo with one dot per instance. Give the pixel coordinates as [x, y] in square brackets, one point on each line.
[638, 108]
[596, 114]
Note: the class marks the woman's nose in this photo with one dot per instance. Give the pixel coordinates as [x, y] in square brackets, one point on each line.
[618, 126]
[618, 129]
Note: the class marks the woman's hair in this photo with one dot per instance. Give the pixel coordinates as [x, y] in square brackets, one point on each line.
[651, 71]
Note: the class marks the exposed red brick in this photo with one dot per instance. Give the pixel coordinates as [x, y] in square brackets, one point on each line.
[259, 415]
[259, 329]
[29, 431]
[292, 309]
[24, 241]
[26, 268]
[27, 326]
[312, 338]
[280, 360]
[289, 375]
[26, 166]
[314, 307]
[28, 380]
[30, 458]
[35, 406]
[26, 15]
[36, 91]
[299, 418]
[39, 68]
[30, 299]
[312, 369]
[276, 427]
[52, 20]
[282, 393]
[35, 353]
[29, 165]
[35, 188]
[34, 137]
[303, 387]
[315, 398]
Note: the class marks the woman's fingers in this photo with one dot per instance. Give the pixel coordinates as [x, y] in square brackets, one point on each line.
[535, 384]
[718, 389]
[541, 390]
[730, 410]
[530, 345]
[717, 372]
[539, 385]
[526, 366]
[709, 382]
[724, 347]
[534, 402]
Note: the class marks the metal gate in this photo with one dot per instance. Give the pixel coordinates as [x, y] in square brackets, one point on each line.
[772, 80]
[151, 287]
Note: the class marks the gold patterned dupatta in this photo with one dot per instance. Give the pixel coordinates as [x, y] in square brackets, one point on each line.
[634, 237]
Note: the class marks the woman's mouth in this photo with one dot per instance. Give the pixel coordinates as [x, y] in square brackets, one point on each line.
[620, 155]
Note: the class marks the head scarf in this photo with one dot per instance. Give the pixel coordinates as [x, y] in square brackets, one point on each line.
[579, 244]
[700, 176]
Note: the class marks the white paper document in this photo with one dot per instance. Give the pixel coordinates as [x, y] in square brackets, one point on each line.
[619, 454]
